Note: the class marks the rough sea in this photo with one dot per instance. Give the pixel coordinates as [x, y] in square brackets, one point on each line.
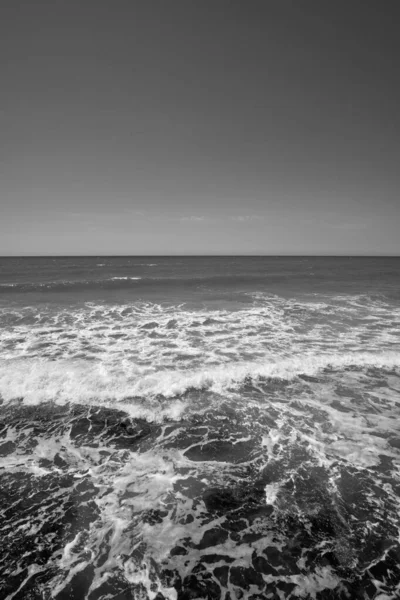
[199, 428]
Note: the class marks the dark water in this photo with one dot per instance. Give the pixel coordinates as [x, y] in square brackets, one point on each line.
[140, 277]
[216, 427]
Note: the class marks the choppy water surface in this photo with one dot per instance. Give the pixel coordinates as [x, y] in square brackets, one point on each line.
[199, 428]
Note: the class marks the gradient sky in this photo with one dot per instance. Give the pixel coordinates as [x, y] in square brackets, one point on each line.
[207, 126]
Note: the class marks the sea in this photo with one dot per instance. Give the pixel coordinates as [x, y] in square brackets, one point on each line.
[199, 428]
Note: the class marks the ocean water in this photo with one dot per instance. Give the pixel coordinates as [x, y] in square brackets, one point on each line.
[215, 427]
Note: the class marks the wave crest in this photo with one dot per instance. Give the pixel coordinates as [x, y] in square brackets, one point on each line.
[37, 381]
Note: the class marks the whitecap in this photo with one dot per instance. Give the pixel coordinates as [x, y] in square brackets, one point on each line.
[125, 278]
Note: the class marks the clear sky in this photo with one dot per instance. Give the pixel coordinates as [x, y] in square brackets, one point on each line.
[199, 126]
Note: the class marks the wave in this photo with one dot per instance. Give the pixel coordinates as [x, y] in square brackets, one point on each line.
[136, 264]
[221, 280]
[77, 381]
[124, 278]
[67, 283]
[152, 278]
[165, 337]
[119, 353]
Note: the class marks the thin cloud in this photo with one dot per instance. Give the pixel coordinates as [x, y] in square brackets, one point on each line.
[246, 218]
[349, 225]
[192, 218]
[133, 212]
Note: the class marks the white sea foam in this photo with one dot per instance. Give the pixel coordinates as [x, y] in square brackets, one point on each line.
[271, 492]
[80, 381]
[124, 278]
[110, 354]
[149, 360]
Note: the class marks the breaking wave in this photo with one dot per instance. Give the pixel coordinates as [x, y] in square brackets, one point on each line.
[37, 381]
[111, 354]
[238, 448]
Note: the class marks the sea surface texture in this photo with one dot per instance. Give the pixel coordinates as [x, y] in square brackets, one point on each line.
[199, 428]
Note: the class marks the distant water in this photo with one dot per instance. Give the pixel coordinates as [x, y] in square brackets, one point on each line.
[220, 427]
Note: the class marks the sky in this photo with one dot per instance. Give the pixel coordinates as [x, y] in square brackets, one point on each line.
[199, 127]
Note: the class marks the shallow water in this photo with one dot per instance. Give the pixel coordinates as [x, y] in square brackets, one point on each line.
[220, 428]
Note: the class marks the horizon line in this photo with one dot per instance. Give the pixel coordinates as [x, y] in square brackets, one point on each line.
[248, 254]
